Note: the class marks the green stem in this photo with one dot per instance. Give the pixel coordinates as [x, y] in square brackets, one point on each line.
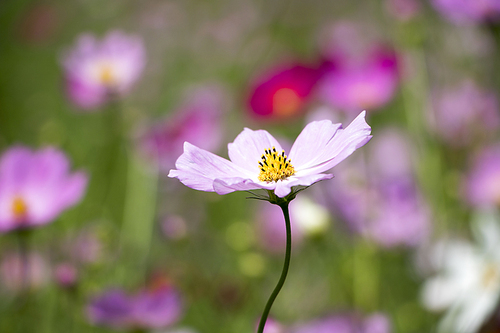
[286, 264]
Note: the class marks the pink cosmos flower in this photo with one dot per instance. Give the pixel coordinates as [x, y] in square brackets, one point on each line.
[354, 84]
[198, 121]
[283, 93]
[468, 11]
[257, 160]
[96, 71]
[36, 186]
[359, 73]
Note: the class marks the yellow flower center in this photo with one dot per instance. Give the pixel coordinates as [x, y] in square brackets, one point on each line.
[106, 75]
[19, 208]
[274, 166]
[490, 277]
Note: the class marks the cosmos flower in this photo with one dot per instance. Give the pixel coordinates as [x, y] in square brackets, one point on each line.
[198, 121]
[257, 160]
[283, 93]
[359, 71]
[468, 11]
[96, 71]
[36, 186]
[482, 182]
[149, 309]
[467, 283]
[366, 83]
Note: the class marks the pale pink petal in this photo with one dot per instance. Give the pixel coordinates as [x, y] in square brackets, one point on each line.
[228, 185]
[198, 168]
[45, 203]
[310, 146]
[283, 188]
[342, 144]
[248, 148]
[14, 166]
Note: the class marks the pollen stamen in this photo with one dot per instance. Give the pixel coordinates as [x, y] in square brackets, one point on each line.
[275, 166]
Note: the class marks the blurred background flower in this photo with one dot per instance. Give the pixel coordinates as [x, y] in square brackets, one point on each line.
[98, 71]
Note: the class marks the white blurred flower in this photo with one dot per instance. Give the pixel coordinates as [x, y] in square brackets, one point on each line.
[468, 279]
[309, 217]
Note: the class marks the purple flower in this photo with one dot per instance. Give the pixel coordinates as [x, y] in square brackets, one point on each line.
[468, 11]
[36, 186]
[96, 71]
[465, 113]
[198, 121]
[149, 309]
[113, 308]
[376, 323]
[257, 160]
[283, 93]
[379, 198]
[483, 181]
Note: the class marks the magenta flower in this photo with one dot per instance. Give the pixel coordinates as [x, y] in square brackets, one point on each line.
[464, 114]
[149, 309]
[96, 71]
[283, 93]
[35, 187]
[355, 83]
[257, 160]
[468, 11]
[483, 181]
[197, 121]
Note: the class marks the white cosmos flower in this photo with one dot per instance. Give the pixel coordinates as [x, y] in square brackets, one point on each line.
[468, 281]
